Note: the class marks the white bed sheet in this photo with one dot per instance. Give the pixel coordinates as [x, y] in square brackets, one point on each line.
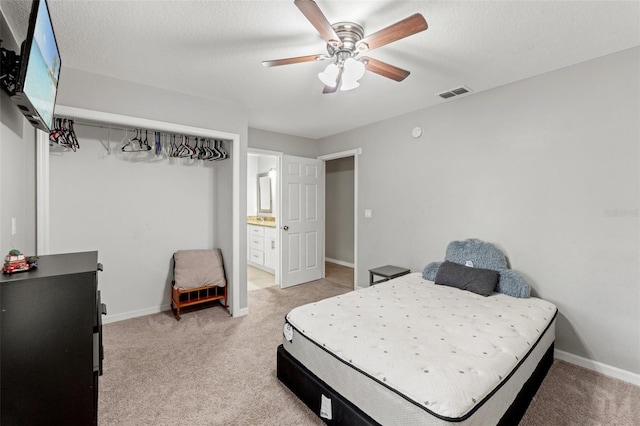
[442, 350]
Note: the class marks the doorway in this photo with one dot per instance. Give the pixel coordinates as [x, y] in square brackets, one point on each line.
[347, 177]
[341, 218]
[263, 177]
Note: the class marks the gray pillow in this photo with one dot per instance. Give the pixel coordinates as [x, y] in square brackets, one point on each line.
[477, 280]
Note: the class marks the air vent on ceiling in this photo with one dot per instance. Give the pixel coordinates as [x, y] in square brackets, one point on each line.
[454, 92]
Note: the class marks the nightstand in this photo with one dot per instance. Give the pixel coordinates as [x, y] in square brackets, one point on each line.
[387, 272]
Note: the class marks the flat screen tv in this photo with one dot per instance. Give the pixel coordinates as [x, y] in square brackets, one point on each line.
[37, 83]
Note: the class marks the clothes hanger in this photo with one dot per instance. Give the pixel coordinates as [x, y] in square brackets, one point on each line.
[55, 133]
[61, 136]
[173, 152]
[220, 149]
[71, 135]
[158, 144]
[209, 153]
[125, 142]
[203, 154]
[130, 146]
[144, 145]
[185, 150]
[217, 154]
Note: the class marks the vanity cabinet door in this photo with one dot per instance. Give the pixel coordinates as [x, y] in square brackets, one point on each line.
[270, 250]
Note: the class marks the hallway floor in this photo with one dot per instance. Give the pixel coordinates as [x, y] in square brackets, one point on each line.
[258, 279]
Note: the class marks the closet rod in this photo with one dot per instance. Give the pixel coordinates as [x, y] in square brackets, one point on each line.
[114, 127]
[109, 127]
[107, 145]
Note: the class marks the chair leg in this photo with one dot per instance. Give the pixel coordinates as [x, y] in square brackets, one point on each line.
[176, 311]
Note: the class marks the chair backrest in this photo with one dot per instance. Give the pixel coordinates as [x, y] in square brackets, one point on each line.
[198, 268]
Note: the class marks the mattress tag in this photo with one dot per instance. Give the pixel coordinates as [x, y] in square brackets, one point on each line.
[288, 332]
[325, 407]
[469, 264]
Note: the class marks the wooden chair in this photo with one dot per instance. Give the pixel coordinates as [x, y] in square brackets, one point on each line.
[198, 277]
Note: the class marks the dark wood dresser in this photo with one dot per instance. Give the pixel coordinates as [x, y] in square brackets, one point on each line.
[51, 342]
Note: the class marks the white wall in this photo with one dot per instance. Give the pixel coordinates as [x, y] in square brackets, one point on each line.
[17, 169]
[546, 168]
[280, 142]
[173, 207]
[252, 185]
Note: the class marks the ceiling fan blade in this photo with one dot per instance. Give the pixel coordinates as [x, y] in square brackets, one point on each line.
[334, 89]
[401, 29]
[296, 60]
[313, 13]
[384, 69]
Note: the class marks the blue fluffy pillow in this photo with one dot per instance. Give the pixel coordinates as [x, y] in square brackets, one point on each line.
[429, 272]
[483, 255]
[513, 284]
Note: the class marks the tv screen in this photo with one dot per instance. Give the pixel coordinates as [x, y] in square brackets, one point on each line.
[39, 69]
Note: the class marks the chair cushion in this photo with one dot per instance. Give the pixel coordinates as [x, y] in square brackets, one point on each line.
[198, 268]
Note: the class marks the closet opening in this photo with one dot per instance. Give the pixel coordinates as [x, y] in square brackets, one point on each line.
[163, 203]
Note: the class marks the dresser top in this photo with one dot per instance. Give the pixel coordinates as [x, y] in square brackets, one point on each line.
[56, 264]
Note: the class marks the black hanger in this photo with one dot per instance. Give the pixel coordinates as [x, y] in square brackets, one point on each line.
[158, 144]
[130, 146]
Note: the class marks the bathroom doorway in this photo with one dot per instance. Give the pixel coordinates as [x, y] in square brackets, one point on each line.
[263, 236]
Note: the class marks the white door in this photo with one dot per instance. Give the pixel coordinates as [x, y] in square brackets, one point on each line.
[302, 220]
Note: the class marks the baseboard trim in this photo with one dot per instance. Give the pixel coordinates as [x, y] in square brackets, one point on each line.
[241, 312]
[607, 370]
[109, 318]
[340, 262]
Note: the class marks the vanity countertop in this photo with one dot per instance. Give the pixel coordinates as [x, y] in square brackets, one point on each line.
[269, 222]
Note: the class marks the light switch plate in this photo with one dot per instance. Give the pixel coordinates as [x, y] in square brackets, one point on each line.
[368, 213]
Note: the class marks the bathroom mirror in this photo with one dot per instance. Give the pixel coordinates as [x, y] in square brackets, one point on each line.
[264, 193]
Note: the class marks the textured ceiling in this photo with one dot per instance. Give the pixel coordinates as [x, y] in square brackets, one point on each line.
[213, 49]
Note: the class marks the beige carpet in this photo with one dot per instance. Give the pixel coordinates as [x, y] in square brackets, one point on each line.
[210, 369]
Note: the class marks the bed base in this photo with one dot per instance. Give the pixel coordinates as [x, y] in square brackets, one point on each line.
[195, 296]
[309, 388]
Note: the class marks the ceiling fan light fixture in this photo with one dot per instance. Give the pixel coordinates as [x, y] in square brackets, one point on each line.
[348, 84]
[353, 69]
[330, 75]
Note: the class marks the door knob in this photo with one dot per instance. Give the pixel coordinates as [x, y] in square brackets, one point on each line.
[286, 227]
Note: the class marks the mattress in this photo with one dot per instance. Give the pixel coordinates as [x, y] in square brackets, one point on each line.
[408, 351]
